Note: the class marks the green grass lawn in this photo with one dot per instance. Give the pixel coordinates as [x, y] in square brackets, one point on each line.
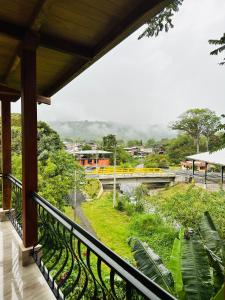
[111, 226]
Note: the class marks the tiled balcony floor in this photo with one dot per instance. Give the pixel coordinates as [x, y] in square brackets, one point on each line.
[17, 282]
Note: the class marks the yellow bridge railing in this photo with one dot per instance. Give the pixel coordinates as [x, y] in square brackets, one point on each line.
[119, 170]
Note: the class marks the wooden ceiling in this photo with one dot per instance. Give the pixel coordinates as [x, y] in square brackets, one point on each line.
[72, 35]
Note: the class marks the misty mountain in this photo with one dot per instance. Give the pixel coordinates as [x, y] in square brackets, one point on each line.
[93, 130]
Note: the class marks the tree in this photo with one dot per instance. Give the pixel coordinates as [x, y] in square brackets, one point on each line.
[211, 125]
[162, 21]
[196, 122]
[86, 147]
[48, 141]
[156, 161]
[109, 142]
[150, 143]
[132, 143]
[179, 148]
[221, 43]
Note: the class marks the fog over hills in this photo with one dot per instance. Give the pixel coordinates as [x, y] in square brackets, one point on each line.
[88, 130]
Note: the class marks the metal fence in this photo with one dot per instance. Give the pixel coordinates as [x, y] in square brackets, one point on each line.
[78, 266]
[74, 263]
[15, 213]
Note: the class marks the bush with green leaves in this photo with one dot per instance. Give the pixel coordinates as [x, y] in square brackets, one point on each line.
[196, 267]
[155, 160]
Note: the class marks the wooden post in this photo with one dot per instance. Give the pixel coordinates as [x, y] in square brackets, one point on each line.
[193, 167]
[29, 144]
[6, 155]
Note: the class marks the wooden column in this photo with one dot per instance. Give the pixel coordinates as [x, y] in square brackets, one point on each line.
[29, 144]
[6, 154]
[193, 167]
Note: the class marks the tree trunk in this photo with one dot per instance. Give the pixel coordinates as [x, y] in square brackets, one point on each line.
[197, 144]
[207, 144]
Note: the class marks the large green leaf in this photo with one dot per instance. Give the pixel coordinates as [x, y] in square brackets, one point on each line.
[151, 264]
[196, 274]
[212, 241]
[220, 294]
[175, 265]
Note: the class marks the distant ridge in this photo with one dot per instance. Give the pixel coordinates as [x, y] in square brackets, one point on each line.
[88, 130]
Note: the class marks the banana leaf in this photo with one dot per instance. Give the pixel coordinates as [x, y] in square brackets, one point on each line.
[175, 265]
[195, 270]
[151, 264]
[212, 241]
[220, 294]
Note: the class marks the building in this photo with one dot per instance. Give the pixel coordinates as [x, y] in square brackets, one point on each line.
[44, 46]
[93, 158]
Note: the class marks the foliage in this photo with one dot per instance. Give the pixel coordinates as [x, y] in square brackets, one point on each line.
[179, 148]
[56, 177]
[196, 270]
[186, 203]
[221, 44]
[109, 142]
[48, 141]
[196, 122]
[150, 143]
[156, 161]
[92, 187]
[175, 265]
[133, 143]
[114, 227]
[151, 264]
[86, 147]
[152, 229]
[162, 21]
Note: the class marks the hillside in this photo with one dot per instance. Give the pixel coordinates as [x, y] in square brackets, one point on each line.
[87, 130]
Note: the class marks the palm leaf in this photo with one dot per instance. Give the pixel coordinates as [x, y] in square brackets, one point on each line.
[175, 265]
[212, 241]
[151, 264]
[196, 270]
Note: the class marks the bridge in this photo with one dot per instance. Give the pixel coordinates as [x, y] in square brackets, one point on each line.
[154, 177]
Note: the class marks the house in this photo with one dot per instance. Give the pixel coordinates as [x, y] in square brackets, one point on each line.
[93, 158]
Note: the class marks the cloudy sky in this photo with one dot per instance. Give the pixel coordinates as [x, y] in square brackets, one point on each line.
[153, 80]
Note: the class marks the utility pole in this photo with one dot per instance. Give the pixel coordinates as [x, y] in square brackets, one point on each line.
[114, 179]
[75, 193]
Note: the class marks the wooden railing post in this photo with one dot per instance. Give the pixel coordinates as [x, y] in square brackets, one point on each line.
[6, 154]
[29, 143]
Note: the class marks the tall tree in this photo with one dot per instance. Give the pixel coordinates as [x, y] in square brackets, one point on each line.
[196, 122]
[211, 125]
[221, 43]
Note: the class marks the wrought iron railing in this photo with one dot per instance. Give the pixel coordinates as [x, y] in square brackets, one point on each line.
[15, 213]
[78, 266]
[74, 263]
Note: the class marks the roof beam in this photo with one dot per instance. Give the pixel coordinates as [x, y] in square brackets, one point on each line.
[12, 95]
[48, 41]
[135, 19]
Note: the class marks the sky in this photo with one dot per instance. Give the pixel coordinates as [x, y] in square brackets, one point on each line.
[152, 80]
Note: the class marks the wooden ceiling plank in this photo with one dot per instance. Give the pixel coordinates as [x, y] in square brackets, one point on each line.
[135, 19]
[48, 41]
[35, 23]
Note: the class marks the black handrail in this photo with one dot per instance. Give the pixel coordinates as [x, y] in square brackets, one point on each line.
[135, 282]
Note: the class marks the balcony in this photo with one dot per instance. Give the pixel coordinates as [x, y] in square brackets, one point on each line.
[73, 263]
